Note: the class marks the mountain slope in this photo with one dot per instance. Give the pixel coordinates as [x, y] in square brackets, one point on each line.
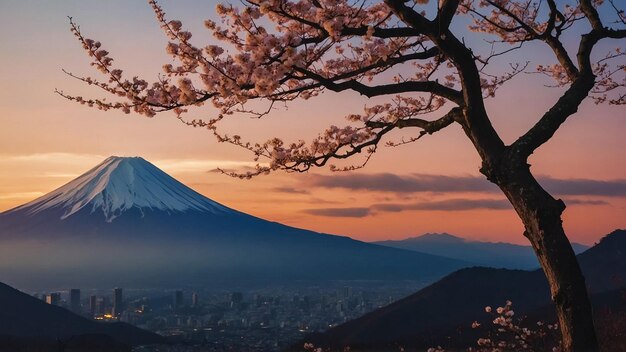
[126, 222]
[119, 185]
[24, 316]
[490, 254]
[447, 307]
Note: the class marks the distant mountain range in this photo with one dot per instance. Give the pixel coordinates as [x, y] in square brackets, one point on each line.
[441, 313]
[491, 254]
[127, 223]
[29, 324]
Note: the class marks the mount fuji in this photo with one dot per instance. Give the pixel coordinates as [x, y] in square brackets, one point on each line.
[126, 222]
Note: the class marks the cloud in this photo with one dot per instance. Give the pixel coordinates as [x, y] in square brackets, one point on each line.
[240, 169]
[201, 165]
[574, 201]
[292, 190]
[584, 187]
[60, 175]
[443, 205]
[56, 158]
[340, 212]
[440, 205]
[21, 195]
[446, 205]
[419, 183]
[386, 182]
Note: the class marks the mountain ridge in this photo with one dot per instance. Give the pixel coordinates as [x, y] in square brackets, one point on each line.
[114, 186]
[492, 254]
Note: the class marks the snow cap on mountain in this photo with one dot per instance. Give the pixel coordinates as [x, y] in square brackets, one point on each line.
[119, 184]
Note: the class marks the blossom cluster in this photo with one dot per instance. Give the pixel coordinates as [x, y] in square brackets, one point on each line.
[611, 77]
[509, 334]
[277, 51]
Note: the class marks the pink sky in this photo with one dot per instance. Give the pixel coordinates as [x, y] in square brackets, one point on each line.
[45, 141]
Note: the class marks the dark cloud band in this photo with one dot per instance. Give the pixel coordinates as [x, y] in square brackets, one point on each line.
[441, 205]
[417, 183]
[340, 212]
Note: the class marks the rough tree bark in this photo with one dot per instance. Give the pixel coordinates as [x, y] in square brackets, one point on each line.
[541, 216]
[508, 168]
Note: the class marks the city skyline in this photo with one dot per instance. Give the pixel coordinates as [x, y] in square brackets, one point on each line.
[267, 318]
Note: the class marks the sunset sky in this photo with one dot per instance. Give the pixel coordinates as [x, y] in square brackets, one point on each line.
[429, 186]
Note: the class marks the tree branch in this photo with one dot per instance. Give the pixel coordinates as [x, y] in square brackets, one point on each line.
[550, 122]
[428, 127]
[592, 14]
[383, 33]
[386, 89]
[447, 10]
[569, 102]
[411, 17]
[476, 123]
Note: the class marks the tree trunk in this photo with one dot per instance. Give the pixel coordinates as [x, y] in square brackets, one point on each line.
[541, 215]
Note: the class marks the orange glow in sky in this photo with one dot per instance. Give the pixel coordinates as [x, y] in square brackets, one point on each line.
[45, 141]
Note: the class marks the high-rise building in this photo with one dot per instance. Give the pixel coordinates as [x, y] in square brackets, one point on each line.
[194, 299]
[118, 303]
[93, 305]
[75, 300]
[53, 298]
[257, 299]
[101, 305]
[178, 299]
[347, 292]
[236, 298]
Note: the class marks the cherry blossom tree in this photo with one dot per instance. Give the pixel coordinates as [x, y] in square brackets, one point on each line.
[410, 52]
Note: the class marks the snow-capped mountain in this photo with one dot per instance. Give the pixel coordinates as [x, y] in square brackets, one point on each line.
[121, 197]
[120, 184]
[125, 222]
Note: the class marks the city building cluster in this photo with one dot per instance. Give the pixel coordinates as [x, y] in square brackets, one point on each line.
[211, 320]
